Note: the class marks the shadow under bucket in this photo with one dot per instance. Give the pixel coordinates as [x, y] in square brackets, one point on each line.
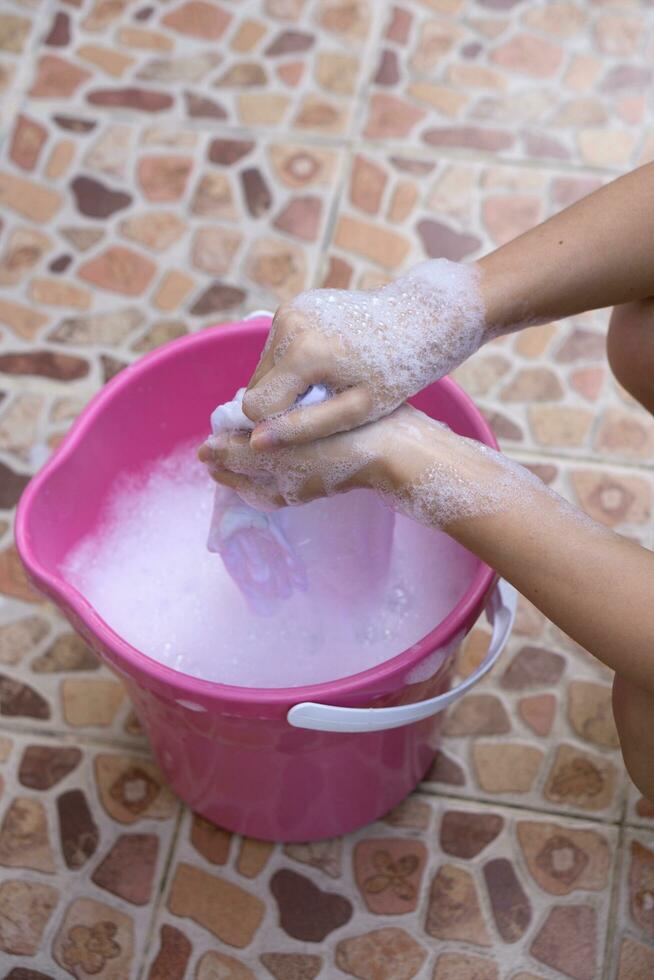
[283, 764]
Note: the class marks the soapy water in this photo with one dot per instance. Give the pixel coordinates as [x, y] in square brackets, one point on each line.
[147, 571]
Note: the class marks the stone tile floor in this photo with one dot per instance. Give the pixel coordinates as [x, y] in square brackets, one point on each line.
[167, 165]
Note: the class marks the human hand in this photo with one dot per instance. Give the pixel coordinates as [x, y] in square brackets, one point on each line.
[371, 349]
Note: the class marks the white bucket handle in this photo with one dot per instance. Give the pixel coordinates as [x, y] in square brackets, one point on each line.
[501, 610]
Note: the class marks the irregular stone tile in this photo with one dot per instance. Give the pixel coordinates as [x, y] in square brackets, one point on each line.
[199, 19]
[454, 912]
[45, 364]
[243, 74]
[588, 382]
[199, 107]
[305, 911]
[25, 909]
[554, 425]
[277, 265]
[292, 966]
[108, 154]
[174, 954]
[301, 166]
[60, 159]
[173, 289]
[227, 152]
[29, 199]
[388, 872]
[214, 197]
[27, 141]
[210, 841]
[324, 855]
[337, 72]
[470, 138]
[477, 714]
[96, 200]
[248, 35]
[636, 961]
[77, 829]
[161, 332]
[412, 812]
[403, 201]
[338, 275]
[581, 345]
[629, 434]
[26, 973]
[508, 215]
[644, 808]
[91, 701]
[387, 248]
[533, 385]
[562, 859]
[214, 249]
[128, 869]
[67, 653]
[262, 109]
[157, 230]
[131, 788]
[164, 178]
[320, 116]
[581, 779]
[509, 903]
[478, 375]
[445, 770]
[538, 712]
[14, 31]
[464, 966]
[82, 238]
[147, 40]
[290, 72]
[18, 433]
[24, 841]
[390, 117]
[388, 70]
[229, 912]
[57, 78]
[17, 638]
[11, 487]
[95, 938]
[103, 14]
[641, 887]
[383, 954]
[567, 941]
[506, 767]
[24, 250]
[367, 184]
[465, 835]
[531, 667]
[107, 60]
[503, 427]
[217, 299]
[590, 713]
[54, 292]
[218, 966]
[43, 766]
[19, 700]
[119, 269]
[144, 100]
[301, 218]
[102, 329]
[253, 856]
[74, 124]
[168, 71]
[441, 241]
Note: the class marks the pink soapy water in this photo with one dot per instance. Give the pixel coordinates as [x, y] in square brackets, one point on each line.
[373, 587]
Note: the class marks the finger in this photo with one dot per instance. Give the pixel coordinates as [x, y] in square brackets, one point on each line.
[340, 413]
[277, 391]
[284, 321]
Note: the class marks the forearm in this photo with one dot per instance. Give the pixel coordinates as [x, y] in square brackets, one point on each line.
[595, 585]
[598, 252]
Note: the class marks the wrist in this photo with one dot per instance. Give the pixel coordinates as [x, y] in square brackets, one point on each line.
[504, 302]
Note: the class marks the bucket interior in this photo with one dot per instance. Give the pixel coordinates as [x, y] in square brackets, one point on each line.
[156, 406]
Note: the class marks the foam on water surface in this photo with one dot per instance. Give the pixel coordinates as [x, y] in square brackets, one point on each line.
[147, 572]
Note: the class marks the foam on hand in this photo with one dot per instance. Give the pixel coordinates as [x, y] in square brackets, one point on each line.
[404, 335]
[147, 572]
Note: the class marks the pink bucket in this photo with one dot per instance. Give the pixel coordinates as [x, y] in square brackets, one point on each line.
[293, 764]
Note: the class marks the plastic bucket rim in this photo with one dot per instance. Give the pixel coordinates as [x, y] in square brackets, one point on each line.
[152, 673]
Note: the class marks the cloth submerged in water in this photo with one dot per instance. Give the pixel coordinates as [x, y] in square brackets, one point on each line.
[252, 544]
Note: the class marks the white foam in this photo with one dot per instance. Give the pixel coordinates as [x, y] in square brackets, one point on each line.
[149, 575]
